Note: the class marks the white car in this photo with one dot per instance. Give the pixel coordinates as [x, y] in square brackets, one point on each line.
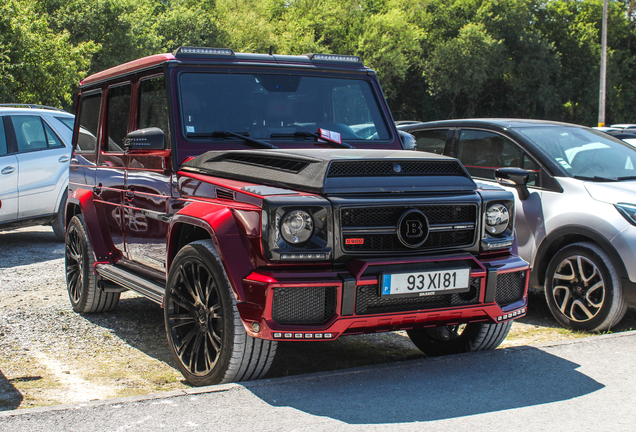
[35, 151]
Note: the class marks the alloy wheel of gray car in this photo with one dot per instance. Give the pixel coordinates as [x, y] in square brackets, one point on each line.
[205, 333]
[583, 289]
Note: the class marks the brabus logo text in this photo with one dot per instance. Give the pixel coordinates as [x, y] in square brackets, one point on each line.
[414, 229]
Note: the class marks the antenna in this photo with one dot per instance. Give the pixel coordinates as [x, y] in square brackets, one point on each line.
[271, 50]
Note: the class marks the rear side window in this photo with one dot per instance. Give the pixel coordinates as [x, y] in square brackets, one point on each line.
[3, 139]
[89, 120]
[432, 141]
[118, 110]
[33, 134]
[153, 104]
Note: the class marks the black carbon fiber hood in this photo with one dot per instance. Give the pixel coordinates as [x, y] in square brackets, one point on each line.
[333, 171]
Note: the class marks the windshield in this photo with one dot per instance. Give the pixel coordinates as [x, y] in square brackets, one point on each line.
[583, 152]
[276, 107]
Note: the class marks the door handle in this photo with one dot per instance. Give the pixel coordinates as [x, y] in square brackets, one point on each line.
[8, 170]
[64, 159]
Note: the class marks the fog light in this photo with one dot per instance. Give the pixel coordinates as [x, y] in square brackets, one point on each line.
[256, 327]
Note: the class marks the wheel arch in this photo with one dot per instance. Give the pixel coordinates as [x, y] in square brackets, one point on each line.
[564, 236]
[200, 221]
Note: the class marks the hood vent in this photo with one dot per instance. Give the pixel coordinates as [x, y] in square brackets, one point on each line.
[224, 194]
[289, 165]
[388, 168]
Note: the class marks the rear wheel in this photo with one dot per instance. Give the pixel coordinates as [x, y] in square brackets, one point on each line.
[81, 281]
[455, 339]
[59, 227]
[204, 330]
[583, 289]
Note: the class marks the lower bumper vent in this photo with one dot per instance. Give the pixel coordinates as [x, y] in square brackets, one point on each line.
[369, 301]
[510, 288]
[304, 305]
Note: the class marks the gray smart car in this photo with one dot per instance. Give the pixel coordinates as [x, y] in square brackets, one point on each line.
[576, 206]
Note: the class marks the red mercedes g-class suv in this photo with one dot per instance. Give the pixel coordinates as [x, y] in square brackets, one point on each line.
[262, 198]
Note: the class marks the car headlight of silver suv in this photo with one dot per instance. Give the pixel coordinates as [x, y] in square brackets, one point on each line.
[628, 211]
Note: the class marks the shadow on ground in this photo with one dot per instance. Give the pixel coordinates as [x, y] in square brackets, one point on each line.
[10, 397]
[435, 389]
[24, 247]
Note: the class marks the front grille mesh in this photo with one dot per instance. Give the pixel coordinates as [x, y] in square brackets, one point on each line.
[369, 301]
[304, 305]
[386, 168]
[390, 242]
[389, 216]
[510, 287]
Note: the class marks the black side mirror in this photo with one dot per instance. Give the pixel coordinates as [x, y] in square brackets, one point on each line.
[408, 140]
[515, 177]
[145, 139]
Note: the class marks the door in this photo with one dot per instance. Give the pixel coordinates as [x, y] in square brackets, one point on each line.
[482, 152]
[8, 179]
[43, 161]
[148, 183]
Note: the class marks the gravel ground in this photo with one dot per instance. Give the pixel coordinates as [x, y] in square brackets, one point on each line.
[51, 355]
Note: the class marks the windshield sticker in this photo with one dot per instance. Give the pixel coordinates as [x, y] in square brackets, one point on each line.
[190, 129]
[563, 163]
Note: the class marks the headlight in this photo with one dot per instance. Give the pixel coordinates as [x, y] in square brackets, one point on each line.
[297, 227]
[628, 211]
[497, 219]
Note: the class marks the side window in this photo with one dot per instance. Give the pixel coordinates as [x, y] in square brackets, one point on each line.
[52, 139]
[89, 120]
[3, 139]
[432, 141]
[117, 123]
[153, 104]
[482, 152]
[29, 133]
[533, 171]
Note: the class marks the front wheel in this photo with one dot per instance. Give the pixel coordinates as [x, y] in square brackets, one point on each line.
[583, 290]
[206, 336]
[456, 339]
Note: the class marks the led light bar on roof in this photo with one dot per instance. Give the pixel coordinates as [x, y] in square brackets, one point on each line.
[203, 51]
[335, 57]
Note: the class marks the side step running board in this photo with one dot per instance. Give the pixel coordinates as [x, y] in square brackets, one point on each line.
[131, 281]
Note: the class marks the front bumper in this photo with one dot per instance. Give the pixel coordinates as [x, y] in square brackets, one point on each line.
[323, 305]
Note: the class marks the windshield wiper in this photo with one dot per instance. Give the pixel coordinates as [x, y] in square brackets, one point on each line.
[627, 178]
[306, 134]
[597, 178]
[225, 134]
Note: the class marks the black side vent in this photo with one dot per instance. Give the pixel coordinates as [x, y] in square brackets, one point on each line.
[392, 168]
[289, 165]
[224, 194]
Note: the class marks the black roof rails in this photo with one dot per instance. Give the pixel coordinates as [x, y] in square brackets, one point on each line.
[32, 106]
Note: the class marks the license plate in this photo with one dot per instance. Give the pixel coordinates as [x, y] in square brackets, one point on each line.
[417, 284]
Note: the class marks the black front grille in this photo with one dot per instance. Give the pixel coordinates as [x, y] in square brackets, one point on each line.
[304, 305]
[388, 168]
[389, 216]
[369, 301]
[510, 287]
[361, 218]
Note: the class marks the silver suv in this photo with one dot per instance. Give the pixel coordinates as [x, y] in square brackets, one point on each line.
[575, 192]
[35, 151]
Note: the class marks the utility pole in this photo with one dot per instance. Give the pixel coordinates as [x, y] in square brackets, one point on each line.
[603, 86]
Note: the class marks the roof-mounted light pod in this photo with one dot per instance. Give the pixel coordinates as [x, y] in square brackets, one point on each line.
[335, 57]
[201, 51]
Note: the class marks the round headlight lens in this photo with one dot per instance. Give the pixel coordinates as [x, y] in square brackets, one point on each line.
[497, 219]
[297, 227]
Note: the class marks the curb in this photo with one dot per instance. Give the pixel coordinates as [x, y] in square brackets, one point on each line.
[220, 388]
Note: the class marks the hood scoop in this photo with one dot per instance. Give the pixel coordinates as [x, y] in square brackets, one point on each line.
[336, 171]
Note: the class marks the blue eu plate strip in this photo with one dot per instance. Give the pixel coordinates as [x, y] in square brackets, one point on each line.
[386, 284]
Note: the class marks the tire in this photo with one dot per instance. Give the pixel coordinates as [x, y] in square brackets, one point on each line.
[58, 224]
[446, 340]
[205, 333]
[583, 289]
[81, 281]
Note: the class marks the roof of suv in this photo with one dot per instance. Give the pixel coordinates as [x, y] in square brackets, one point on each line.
[502, 123]
[225, 56]
[32, 108]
